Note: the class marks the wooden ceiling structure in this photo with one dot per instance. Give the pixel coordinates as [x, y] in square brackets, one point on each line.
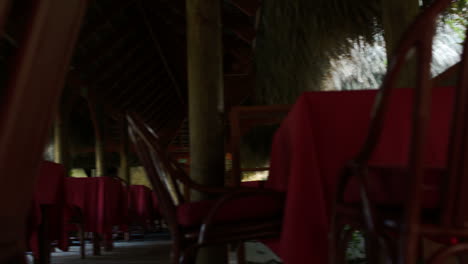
[131, 56]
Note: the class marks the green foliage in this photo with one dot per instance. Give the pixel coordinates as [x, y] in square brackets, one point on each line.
[356, 250]
[298, 38]
[457, 17]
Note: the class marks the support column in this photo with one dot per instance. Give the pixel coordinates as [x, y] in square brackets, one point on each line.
[124, 168]
[206, 102]
[61, 152]
[397, 16]
[206, 97]
[97, 113]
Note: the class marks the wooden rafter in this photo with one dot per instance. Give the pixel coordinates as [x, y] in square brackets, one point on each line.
[249, 7]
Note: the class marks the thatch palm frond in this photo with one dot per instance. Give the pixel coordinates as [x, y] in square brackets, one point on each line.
[298, 38]
[308, 45]
[365, 64]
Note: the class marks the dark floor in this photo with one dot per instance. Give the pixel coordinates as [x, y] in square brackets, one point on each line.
[152, 248]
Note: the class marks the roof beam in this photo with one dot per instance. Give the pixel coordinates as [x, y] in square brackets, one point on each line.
[247, 34]
[132, 87]
[93, 26]
[104, 48]
[109, 68]
[129, 73]
[248, 7]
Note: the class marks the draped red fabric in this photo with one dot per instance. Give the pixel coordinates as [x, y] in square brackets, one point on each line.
[103, 202]
[142, 205]
[322, 132]
[49, 192]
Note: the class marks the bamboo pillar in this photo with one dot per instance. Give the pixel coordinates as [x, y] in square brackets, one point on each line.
[61, 152]
[206, 102]
[124, 168]
[206, 99]
[397, 16]
[98, 119]
[97, 114]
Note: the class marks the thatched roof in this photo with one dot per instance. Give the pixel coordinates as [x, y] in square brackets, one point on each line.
[299, 38]
[365, 64]
[317, 45]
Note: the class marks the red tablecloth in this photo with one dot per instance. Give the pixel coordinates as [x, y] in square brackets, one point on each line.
[253, 184]
[142, 204]
[322, 132]
[49, 192]
[102, 201]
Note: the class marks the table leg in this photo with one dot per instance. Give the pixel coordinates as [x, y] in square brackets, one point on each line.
[108, 242]
[240, 253]
[81, 234]
[43, 240]
[96, 244]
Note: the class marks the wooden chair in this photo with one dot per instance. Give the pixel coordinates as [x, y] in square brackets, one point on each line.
[244, 118]
[398, 232]
[235, 215]
[29, 97]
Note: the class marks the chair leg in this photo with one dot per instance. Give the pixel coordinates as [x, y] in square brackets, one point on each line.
[96, 244]
[175, 252]
[409, 248]
[108, 242]
[240, 253]
[337, 243]
[373, 249]
[44, 242]
[332, 240]
[189, 255]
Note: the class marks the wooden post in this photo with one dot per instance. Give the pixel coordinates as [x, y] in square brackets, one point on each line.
[44, 241]
[81, 234]
[397, 15]
[97, 114]
[206, 102]
[61, 152]
[61, 130]
[96, 244]
[124, 168]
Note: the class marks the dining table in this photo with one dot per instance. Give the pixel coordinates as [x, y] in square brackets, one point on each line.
[100, 202]
[322, 132]
[142, 205]
[48, 215]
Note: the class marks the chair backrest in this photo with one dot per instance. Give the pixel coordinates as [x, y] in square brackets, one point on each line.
[34, 68]
[419, 38]
[456, 196]
[160, 169]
